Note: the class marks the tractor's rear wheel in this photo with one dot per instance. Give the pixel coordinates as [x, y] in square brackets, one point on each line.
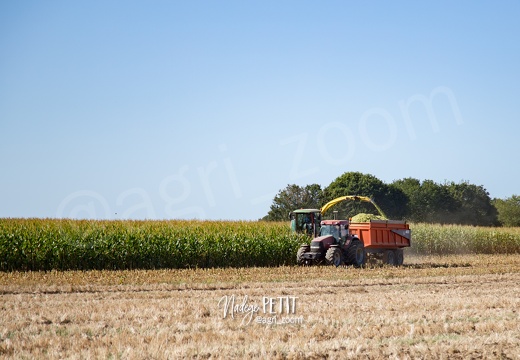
[389, 257]
[356, 254]
[300, 260]
[334, 256]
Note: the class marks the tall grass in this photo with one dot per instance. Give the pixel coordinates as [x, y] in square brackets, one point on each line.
[44, 244]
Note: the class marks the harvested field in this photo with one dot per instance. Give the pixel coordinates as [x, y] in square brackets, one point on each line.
[434, 307]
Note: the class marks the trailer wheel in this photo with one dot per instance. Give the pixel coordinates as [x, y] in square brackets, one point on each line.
[334, 257]
[300, 260]
[389, 257]
[356, 254]
[399, 257]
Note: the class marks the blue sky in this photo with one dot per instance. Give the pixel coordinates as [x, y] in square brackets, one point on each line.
[198, 109]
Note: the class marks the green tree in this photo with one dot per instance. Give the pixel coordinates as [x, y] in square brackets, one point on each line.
[508, 210]
[428, 201]
[474, 206]
[412, 189]
[294, 197]
[391, 199]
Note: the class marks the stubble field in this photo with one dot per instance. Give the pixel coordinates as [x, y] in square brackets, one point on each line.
[433, 308]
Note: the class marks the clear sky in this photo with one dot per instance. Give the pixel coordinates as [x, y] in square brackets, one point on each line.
[206, 109]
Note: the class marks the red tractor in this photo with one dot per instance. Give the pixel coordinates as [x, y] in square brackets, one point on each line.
[335, 245]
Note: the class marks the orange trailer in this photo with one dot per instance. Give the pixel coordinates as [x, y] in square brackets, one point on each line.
[382, 234]
[384, 239]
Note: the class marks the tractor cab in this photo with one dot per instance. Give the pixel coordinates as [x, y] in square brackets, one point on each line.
[306, 221]
[337, 228]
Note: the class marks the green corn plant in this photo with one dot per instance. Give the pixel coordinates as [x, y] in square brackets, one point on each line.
[45, 244]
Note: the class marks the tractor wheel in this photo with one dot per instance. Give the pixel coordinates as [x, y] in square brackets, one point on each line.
[399, 257]
[334, 256]
[389, 257]
[300, 260]
[356, 254]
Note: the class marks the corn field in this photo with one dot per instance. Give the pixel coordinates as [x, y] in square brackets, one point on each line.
[45, 244]
[430, 239]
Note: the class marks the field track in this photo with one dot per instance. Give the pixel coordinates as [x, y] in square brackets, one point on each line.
[434, 307]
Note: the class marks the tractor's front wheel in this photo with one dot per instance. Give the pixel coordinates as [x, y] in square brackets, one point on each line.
[356, 254]
[300, 260]
[334, 256]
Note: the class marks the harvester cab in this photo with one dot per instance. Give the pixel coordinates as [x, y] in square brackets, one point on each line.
[306, 221]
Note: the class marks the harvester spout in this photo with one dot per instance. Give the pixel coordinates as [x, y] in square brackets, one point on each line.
[351, 197]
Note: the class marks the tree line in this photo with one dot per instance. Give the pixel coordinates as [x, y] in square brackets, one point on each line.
[407, 199]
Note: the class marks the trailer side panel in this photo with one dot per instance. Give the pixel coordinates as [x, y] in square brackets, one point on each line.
[383, 234]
